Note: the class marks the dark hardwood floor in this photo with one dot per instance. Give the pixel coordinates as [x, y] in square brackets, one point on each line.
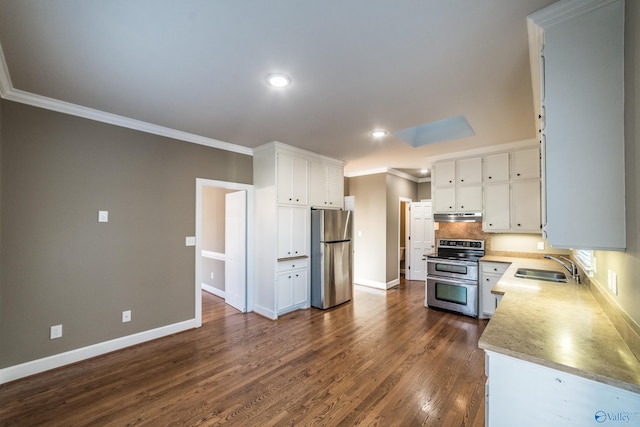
[380, 360]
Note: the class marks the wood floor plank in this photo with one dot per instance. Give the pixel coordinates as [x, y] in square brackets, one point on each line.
[382, 359]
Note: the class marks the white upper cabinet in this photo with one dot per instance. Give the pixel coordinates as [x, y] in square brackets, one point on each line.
[293, 179]
[497, 207]
[582, 99]
[525, 206]
[469, 171]
[445, 174]
[445, 200]
[458, 185]
[496, 168]
[469, 198]
[326, 185]
[525, 164]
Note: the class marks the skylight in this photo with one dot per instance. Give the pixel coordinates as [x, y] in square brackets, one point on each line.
[439, 131]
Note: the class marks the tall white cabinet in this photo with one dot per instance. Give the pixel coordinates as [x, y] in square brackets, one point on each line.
[577, 58]
[288, 182]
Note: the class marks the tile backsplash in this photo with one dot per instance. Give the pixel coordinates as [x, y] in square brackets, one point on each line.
[500, 244]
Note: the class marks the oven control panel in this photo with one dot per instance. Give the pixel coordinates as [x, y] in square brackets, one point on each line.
[461, 244]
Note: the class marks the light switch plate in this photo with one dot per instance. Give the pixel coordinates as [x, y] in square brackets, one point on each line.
[55, 332]
[103, 216]
[190, 241]
[126, 316]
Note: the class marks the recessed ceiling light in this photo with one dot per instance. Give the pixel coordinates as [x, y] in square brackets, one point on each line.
[278, 80]
[379, 133]
[424, 171]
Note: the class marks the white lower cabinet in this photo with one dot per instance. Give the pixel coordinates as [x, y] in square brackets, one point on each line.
[490, 274]
[522, 393]
[292, 288]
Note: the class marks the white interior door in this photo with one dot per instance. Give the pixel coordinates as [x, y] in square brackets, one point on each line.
[422, 239]
[235, 244]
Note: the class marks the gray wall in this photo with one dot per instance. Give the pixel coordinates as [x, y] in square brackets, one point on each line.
[59, 265]
[396, 187]
[424, 191]
[213, 234]
[377, 217]
[370, 216]
[627, 264]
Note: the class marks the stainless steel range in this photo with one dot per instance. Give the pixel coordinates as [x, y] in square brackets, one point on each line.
[452, 276]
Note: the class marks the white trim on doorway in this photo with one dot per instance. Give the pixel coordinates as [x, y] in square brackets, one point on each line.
[401, 214]
[200, 184]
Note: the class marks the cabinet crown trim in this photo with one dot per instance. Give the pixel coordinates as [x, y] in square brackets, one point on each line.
[565, 10]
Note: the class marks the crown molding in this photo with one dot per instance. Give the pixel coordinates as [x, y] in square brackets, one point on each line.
[389, 171]
[7, 91]
[565, 10]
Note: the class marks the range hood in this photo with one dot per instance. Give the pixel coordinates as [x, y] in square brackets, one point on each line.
[458, 217]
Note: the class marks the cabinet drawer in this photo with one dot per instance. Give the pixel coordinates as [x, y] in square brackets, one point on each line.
[494, 267]
[293, 264]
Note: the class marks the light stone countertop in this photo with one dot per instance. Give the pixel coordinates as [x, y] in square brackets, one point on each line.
[557, 325]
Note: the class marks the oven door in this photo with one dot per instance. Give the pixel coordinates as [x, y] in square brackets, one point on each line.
[451, 294]
[465, 270]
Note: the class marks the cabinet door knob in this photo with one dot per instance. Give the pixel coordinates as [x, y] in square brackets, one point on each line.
[489, 177]
[490, 225]
[462, 207]
[518, 174]
[518, 225]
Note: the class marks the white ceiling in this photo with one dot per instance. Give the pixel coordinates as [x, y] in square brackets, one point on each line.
[199, 66]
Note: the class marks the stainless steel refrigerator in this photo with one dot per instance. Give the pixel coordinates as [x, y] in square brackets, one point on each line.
[331, 257]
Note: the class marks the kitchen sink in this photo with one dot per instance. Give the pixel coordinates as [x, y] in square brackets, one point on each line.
[548, 275]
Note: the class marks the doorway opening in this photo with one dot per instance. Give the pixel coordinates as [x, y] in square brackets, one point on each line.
[224, 247]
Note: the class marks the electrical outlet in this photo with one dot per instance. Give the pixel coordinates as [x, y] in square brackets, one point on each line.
[103, 216]
[213, 275]
[190, 241]
[541, 246]
[126, 316]
[55, 332]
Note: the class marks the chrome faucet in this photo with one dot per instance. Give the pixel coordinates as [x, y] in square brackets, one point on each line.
[571, 267]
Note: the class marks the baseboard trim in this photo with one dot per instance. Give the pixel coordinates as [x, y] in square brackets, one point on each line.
[215, 291]
[377, 285]
[37, 366]
[264, 312]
